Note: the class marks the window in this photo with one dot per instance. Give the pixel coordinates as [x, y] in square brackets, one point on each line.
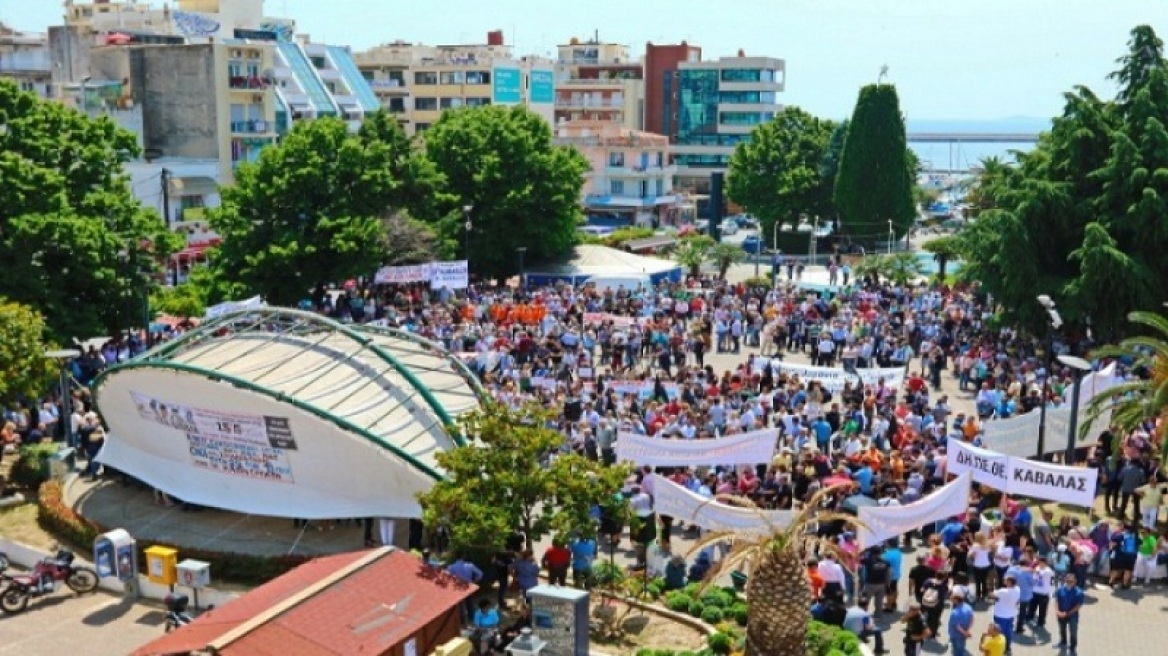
[749, 97]
[397, 105]
[478, 77]
[451, 77]
[697, 103]
[745, 75]
[745, 118]
[318, 62]
[450, 103]
[616, 159]
[478, 102]
[190, 202]
[660, 187]
[660, 158]
[426, 78]
[421, 127]
[616, 187]
[426, 104]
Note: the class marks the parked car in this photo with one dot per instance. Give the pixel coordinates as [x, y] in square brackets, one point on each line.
[728, 227]
[746, 221]
[702, 226]
[752, 244]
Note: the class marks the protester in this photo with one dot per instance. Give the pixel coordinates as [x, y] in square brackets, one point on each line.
[1068, 602]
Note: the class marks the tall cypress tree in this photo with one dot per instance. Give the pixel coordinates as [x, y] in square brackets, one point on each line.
[874, 183]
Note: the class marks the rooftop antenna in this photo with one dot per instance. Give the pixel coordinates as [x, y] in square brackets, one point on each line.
[883, 74]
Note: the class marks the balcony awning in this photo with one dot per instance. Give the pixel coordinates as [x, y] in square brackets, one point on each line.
[617, 201]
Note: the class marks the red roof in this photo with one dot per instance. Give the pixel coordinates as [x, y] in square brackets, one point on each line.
[365, 611]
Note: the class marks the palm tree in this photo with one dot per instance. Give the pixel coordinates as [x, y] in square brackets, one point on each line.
[1145, 399]
[723, 255]
[777, 590]
[903, 267]
[691, 253]
[945, 250]
[872, 266]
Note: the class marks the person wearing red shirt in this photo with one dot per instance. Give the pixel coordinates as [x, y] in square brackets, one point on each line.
[557, 559]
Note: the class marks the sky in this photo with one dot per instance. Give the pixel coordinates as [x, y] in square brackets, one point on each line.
[950, 59]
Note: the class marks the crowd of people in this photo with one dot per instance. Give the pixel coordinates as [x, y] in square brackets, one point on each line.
[643, 361]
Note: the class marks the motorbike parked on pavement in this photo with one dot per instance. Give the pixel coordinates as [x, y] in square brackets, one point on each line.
[43, 579]
[176, 611]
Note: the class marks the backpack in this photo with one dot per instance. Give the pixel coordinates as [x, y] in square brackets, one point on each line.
[931, 598]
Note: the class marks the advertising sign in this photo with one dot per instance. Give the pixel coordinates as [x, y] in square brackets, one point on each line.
[508, 86]
[543, 87]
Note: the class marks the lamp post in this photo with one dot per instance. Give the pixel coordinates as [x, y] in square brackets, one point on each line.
[1081, 367]
[65, 421]
[814, 247]
[522, 250]
[1056, 322]
[891, 236]
[466, 210]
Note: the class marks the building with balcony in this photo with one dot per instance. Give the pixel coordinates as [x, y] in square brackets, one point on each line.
[630, 176]
[712, 106]
[418, 82]
[24, 58]
[599, 82]
[661, 64]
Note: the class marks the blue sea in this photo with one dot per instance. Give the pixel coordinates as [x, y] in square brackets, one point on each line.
[962, 156]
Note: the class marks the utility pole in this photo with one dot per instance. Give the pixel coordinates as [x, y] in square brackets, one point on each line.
[166, 196]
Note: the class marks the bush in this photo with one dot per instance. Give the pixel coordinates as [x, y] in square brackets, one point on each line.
[656, 587]
[56, 517]
[739, 612]
[718, 597]
[720, 643]
[677, 601]
[826, 640]
[32, 466]
[695, 608]
[608, 574]
[711, 615]
[757, 281]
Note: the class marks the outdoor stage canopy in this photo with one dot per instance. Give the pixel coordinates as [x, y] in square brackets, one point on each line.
[280, 412]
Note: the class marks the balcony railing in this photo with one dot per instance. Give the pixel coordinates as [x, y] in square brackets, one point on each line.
[590, 103]
[256, 126]
[246, 82]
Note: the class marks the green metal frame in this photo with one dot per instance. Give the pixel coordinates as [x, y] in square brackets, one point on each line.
[440, 350]
[265, 391]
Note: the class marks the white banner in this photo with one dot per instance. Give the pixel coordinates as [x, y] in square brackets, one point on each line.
[741, 449]
[1043, 480]
[231, 306]
[880, 523]
[673, 500]
[1012, 475]
[834, 379]
[402, 274]
[449, 275]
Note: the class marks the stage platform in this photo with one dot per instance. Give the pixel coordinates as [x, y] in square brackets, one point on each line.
[132, 507]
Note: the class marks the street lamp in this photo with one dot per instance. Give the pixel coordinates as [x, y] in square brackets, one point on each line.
[125, 258]
[891, 236]
[466, 210]
[1056, 322]
[522, 250]
[1081, 367]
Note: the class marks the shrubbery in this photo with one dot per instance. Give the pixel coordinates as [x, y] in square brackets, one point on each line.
[32, 467]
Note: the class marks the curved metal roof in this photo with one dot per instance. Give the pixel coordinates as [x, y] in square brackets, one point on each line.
[394, 388]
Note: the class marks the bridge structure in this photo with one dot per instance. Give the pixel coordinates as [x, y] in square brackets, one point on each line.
[972, 137]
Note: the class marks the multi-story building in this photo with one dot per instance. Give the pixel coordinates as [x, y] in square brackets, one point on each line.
[661, 63]
[419, 82]
[24, 58]
[630, 177]
[599, 82]
[712, 106]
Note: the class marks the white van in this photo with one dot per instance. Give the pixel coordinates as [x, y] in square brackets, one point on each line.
[631, 282]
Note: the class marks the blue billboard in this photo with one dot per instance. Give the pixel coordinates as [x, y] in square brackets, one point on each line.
[508, 86]
[543, 87]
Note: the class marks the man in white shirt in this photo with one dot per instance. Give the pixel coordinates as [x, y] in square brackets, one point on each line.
[833, 575]
[1043, 588]
[1006, 609]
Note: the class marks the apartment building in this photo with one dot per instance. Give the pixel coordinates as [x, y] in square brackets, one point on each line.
[661, 64]
[419, 82]
[24, 58]
[709, 107]
[630, 176]
[599, 82]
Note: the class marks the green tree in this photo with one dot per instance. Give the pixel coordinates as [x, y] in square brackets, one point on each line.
[723, 255]
[410, 241]
[1081, 217]
[25, 372]
[505, 482]
[874, 184]
[74, 241]
[944, 250]
[779, 173]
[829, 167]
[523, 191]
[1145, 398]
[309, 211]
[692, 252]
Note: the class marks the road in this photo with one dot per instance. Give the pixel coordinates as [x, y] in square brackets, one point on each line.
[65, 623]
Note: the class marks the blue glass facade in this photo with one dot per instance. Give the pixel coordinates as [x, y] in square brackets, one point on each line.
[697, 103]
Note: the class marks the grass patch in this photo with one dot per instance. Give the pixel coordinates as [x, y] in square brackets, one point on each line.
[19, 524]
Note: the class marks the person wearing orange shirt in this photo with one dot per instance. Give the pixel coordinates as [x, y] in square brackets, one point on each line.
[815, 578]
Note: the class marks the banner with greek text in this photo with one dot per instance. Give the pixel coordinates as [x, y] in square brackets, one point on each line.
[741, 449]
[833, 379]
[1012, 475]
[449, 275]
[397, 275]
[232, 306]
[673, 500]
[880, 523]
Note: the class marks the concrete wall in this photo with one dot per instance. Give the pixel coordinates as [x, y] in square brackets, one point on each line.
[175, 87]
[69, 51]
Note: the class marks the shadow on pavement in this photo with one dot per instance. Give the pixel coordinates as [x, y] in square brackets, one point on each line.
[109, 613]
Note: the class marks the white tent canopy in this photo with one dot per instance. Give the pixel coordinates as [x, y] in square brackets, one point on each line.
[588, 261]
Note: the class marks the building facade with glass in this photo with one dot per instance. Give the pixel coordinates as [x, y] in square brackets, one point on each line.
[711, 106]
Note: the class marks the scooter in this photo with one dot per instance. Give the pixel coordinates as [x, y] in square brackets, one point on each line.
[176, 611]
[43, 579]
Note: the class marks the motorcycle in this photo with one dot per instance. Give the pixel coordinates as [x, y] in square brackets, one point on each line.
[176, 611]
[43, 579]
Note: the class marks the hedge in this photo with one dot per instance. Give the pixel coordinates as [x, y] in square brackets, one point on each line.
[32, 466]
[58, 518]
